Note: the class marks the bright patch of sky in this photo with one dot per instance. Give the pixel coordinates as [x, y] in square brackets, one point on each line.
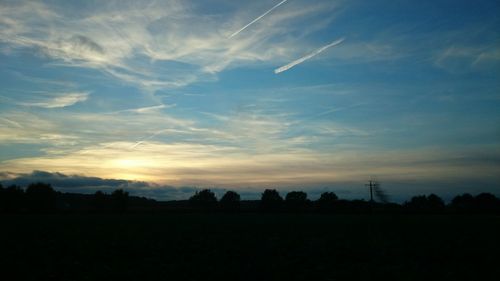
[185, 93]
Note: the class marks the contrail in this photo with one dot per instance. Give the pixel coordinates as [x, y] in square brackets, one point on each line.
[261, 16]
[302, 59]
[146, 139]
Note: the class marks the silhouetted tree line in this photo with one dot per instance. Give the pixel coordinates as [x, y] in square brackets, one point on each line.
[42, 198]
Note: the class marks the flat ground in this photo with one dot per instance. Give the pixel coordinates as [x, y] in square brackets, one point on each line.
[249, 247]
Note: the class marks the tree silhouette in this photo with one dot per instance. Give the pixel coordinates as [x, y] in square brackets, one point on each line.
[422, 203]
[487, 202]
[435, 202]
[417, 202]
[120, 200]
[14, 198]
[203, 199]
[99, 200]
[482, 203]
[230, 201]
[271, 199]
[328, 197]
[296, 200]
[2, 198]
[327, 201]
[40, 197]
[463, 203]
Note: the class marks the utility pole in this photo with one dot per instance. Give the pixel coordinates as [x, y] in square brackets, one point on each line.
[371, 184]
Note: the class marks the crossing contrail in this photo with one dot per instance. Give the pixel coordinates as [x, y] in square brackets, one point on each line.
[146, 139]
[302, 59]
[261, 16]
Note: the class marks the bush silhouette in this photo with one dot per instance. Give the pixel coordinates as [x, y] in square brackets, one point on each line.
[230, 201]
[296, 200]
[271, 200]
[203, 199]
[40, 197]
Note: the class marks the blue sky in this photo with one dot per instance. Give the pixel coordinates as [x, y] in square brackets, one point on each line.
[160, 92]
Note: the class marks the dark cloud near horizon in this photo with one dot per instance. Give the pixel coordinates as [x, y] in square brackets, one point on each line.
[60, 180]
[86, 185]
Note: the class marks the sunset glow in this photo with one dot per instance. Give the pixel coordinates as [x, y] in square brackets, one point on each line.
[186, 93]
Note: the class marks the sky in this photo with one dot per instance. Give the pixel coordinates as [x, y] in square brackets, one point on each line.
[163, 96]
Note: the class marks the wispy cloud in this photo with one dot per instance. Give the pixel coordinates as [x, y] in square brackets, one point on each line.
[28, 128]
[257, 19]
[304, 58]
[151, 44]
[148, 109]
[11, 123]
[60, 100]
[205, 165]
[462, 58]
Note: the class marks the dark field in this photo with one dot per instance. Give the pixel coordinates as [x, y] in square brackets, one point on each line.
[249, 247]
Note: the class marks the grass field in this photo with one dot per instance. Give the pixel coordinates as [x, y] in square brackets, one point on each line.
[250, 247]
